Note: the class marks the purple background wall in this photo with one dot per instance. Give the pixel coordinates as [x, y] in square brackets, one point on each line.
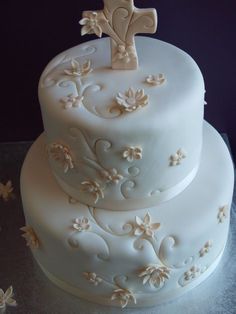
[35, 31]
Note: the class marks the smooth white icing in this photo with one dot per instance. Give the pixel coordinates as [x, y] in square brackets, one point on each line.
[97, 131]
[186, 235]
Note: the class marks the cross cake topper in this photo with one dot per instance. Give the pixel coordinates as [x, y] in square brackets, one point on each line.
[120, 20]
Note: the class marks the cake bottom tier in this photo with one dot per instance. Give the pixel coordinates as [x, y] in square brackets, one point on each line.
[130, 258]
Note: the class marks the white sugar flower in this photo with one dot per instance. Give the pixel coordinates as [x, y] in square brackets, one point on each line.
[70, 101]
[155, 80]
[176, 159]
[93, 188]
[30, 237]
[123, 296]
[62, 155]
[81, 224]
[6, 298]
[154, 274]
[145, 226]
[6, 191]
[125, 53]
[132, 100]
[222, 214]
[205, 249]
[192, 273]
[93, 278]
[77, 69]
[111, 175]
[91, 24]
[131, 153]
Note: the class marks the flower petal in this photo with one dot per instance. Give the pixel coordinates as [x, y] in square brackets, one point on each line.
[98, 31]
[138, 231]
[11, 302]
[138, 220]
[9, 292]
[86, 30]
[147, 219]
[84, 21]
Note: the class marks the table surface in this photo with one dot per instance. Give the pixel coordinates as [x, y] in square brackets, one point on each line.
[34, 293]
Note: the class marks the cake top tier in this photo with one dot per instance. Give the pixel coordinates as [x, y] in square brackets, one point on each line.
[120, 20]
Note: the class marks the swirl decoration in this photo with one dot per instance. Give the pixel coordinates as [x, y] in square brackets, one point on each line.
[127, 188]
[90, 242]
[121, 18]
[49, 79]
[117, 230]
[167, 248]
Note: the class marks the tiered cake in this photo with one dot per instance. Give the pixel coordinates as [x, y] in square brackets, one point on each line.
[127, 194]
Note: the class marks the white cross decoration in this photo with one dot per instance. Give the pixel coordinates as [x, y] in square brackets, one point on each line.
[120, 20]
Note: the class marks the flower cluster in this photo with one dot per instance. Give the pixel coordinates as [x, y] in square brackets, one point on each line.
[192, 273]
[222, 214]
[92, 277]
[79, 70]
[62, 155]
[92, 24]
[6, 298]
[81, 224]
[205, 249]
[93, 188]
[131, 100]
[154, 274]
[6, 191]
[111, 175]
[30, 237]
[125, 54]
[70, 101]
[123, 296]
[145, 226]
[131, 153]
[155, 80]
[176, 159]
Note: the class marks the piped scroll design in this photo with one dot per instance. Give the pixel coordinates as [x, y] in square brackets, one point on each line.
[85, 238]
[53, 72]
[145, 231]
[72, 73]
[121, 179]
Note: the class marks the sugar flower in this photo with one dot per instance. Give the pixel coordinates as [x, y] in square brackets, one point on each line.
[81, 224]
[93, 188]
[156, 80]
[30, 237]
[62, 155]
[6, 298]
[70, 101]
[145, 226]
[91, 24]
[6, 191]
[78, 69]
[176, 159]
[155, 275]
[131, 153]
[131, 100]
[123, 296]
[92, 278]
[111, 175]
[125, 53]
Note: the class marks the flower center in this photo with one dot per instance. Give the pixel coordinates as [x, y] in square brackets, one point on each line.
[131, 101]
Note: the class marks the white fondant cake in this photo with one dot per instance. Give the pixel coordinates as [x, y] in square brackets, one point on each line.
[142, 214]
[153, 254]
[134, 159]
